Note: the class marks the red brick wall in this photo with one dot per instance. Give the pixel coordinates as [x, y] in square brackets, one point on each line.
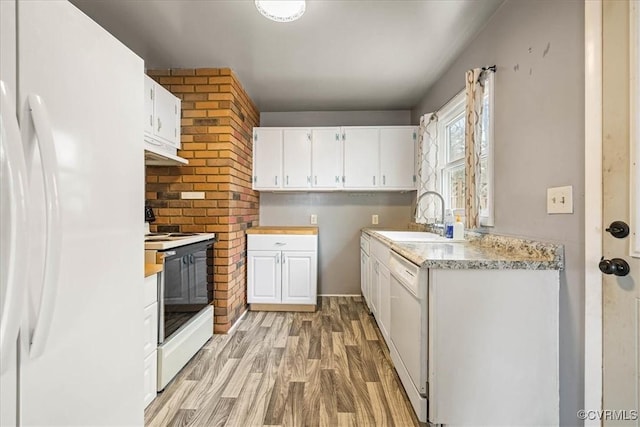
[217, 122]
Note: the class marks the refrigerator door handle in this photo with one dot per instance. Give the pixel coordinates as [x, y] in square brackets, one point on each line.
[44, 134]
[15, 185]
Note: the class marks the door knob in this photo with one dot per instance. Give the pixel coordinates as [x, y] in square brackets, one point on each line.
[616, 266]
[618, 229]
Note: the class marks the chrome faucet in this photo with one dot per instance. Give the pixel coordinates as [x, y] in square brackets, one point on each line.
[434, 193]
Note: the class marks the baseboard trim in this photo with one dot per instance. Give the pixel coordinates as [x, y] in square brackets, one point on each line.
[283, 307]
[235, 325]
[339, 295]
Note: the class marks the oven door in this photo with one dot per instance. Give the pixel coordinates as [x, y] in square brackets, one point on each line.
[185, 290]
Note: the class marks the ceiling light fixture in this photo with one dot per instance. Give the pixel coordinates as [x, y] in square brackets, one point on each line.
[281, 10]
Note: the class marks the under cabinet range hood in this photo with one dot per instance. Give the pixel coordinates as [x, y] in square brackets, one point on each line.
[154, 157]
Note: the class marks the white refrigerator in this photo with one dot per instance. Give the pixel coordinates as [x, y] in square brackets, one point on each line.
[71, 229]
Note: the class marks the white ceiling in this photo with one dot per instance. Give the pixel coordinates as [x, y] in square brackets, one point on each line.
[341, 55]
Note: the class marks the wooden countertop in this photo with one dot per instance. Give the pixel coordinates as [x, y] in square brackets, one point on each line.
[283, 230]
[150, 269]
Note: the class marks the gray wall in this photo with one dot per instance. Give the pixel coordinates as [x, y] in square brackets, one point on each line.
[340, 215]
[538, 47]
[336, 118]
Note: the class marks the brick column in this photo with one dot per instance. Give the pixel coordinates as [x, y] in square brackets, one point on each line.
[217, 121]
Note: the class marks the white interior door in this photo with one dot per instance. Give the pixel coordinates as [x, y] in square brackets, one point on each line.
[297, 158]
[621, 294]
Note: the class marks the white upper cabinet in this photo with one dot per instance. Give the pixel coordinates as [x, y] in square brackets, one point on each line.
[326, 158]
[352, 158]
[167, 116]
[162, 116]
[297, 158]
[149, 84]
[361, 157]
[398, 157]
[267, 158]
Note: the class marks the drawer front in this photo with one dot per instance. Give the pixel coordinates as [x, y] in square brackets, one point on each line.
[280, 242]
[150, 329]
[150, 291]
[150, 377]
[364, 243]
[380, 251]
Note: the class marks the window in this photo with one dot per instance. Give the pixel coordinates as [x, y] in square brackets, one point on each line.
[451, 140]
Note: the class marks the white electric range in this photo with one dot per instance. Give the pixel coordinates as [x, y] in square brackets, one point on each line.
[185, 314]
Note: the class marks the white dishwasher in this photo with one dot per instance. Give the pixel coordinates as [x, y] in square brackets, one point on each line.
[409, 330]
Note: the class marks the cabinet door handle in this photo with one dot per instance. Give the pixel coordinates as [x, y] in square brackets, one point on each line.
[151, 120]
[278, 259]
[308, 180]
[276, 179]
[384, 180]
[316, 180]
[280, 243]
[287, 179]
[374, 180]
[185, 260]
[337, 179]
[159, 124]
[191, 258]
[284, 259]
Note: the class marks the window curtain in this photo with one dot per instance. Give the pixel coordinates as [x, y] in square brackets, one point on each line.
[427, 211]
[474, 90]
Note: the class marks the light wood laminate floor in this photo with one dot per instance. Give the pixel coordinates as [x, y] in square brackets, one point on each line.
[328, 368]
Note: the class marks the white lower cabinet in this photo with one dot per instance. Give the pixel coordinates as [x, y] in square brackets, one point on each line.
[150, 377]
[454, 334]
[150, 337]
[298, 271]
[384, 307]
[264, 277]
[282, 269]
[365, 269]
[379, 285]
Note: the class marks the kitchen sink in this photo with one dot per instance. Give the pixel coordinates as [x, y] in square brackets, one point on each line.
[415, 236]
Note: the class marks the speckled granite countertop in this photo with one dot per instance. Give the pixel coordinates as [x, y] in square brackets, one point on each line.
[489, 252]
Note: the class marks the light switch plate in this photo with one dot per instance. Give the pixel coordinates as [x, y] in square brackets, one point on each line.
[314, 219]
[192, 195]
[560, 200]
[374, 219]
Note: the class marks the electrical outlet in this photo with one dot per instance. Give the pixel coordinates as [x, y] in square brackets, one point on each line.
[314, 219]
[560, 200]
[374, 219]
